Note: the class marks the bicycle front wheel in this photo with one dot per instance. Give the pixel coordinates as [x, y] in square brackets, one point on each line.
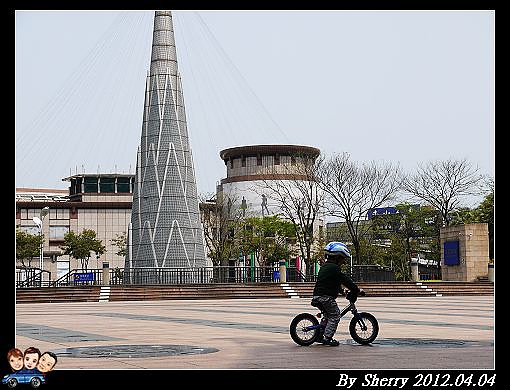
[364, 328]
[299, 329]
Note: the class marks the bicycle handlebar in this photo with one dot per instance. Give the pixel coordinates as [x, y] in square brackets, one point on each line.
[361, 292]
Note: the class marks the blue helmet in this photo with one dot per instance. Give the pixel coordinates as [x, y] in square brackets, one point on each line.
[336, 248]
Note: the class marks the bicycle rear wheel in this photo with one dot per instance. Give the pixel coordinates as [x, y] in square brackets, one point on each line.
[364, 328]
[299, 332]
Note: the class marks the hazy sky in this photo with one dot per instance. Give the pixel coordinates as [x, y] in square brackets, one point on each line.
[400, 86]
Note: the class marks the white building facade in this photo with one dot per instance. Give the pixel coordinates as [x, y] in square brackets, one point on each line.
[260, 176]
[252, 171]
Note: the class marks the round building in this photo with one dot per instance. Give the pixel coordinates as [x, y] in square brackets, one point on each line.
[251, 168]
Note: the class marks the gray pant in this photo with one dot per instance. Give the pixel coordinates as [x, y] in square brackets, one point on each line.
[332, 311]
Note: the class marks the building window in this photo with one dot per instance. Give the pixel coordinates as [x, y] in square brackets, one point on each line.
[31, 213]
[90, 184]
[77, 187]
[62, 268]
[123, 184]
[59, 214]
[34, 230]
[58, 232]
[107, 184]
[23, 213]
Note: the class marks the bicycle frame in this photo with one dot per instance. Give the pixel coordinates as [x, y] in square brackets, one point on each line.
[350, 307]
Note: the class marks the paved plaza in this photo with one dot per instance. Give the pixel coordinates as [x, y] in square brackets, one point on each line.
[415, 333]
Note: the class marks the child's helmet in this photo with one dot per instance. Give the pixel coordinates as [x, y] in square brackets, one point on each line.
[336, 248]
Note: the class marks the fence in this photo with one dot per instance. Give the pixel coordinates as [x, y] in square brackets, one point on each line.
[219, 274]
[201, 275]
[372, 273]
[89, 277]
[32, 277]
[225, 274]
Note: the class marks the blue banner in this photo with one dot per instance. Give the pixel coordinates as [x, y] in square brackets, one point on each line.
[381, 211]
[84, 277]
[451, 253]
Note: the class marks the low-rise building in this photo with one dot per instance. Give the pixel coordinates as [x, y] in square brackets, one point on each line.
[100, 202]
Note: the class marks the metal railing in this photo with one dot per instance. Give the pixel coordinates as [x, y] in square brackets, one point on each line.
[372, 273]
[200, 275]
[89, 277]
[32, 277]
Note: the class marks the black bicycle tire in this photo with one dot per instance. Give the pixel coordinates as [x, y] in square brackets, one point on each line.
[293, 329]
[375, 328]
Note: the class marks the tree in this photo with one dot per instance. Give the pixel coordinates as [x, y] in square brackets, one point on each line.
[317, 250]
[353, 189]
[484, 213]
[27, 247]
[267, 238]
[299, 198]
[443, 183]
[80, 246]
[222, 222]
[411, 230]
[120, 241]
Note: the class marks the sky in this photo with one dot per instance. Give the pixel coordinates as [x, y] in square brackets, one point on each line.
[405, 87]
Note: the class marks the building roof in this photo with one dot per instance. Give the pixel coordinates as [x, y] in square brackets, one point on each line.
[254, 150]
[81, 175]
[26, 190]
[41, 194]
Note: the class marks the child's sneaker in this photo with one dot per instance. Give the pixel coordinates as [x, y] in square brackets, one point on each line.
[330, 342]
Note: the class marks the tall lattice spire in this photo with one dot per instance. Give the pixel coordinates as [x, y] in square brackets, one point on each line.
[165, 220]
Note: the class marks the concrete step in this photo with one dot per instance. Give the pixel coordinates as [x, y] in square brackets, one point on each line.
[239, 291]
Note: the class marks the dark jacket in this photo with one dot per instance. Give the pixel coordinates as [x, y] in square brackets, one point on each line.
[329, 279]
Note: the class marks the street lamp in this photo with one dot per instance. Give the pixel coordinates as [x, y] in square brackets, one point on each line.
[39, 222]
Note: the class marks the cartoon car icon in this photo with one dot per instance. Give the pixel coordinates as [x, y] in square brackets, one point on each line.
[35, 379]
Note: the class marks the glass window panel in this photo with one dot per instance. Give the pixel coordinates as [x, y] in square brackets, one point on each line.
[90, 184]
[62, 213]
[123, 184]
[107, 184]
[58, 232]
[33, 213]
[30, 230]
[77, 189]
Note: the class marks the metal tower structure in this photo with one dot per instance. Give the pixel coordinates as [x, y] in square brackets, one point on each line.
[165, 228]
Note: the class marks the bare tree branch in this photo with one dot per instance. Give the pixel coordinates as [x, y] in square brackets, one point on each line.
[353, 189]
[298, 198]
[221, 220]
[443, 183]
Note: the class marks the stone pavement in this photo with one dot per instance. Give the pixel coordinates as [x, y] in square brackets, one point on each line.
[415, 333]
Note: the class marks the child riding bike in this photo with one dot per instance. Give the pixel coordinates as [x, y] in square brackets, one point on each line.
[327, 288]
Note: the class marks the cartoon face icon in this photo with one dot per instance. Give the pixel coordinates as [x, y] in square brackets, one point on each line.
[47, 361]
[15, 358]
[31, 357]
